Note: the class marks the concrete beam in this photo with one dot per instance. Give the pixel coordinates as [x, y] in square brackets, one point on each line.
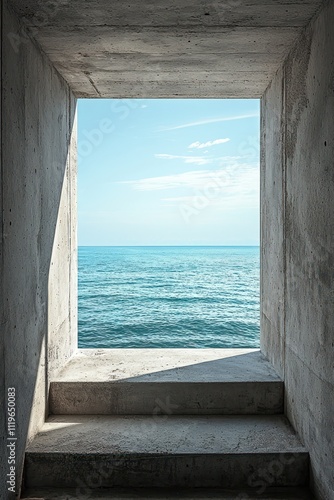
[166, 49]
[169, 13]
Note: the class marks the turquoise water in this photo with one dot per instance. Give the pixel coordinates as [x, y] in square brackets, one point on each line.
[169, 297]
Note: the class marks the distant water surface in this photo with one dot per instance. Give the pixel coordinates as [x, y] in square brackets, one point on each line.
[186, 297]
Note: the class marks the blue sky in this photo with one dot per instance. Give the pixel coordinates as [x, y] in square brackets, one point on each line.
[168, 172]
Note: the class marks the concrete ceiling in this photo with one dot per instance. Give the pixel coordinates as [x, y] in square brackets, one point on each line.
[166, 48]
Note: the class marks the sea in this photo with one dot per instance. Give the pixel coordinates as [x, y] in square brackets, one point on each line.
[169, 297]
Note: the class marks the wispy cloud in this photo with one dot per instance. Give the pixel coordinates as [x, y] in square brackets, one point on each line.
[197, 160]
[238, 178]
[238, 191]
[213, 120]
[193, 179]
[208, 144]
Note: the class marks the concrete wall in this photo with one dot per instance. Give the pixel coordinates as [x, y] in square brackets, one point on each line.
[298, 240]
[38, 251]
[2, 367]
[38, 255]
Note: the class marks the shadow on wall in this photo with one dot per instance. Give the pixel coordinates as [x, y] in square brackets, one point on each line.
[38, 171]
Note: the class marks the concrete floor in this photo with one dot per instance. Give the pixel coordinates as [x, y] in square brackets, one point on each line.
[164, 494]
[168, 365]
[165, 433]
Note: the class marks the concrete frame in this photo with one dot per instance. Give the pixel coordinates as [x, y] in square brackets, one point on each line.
[38, 250]
[39, 244]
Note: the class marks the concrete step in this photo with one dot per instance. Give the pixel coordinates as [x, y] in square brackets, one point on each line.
[149, 381]
[166, 451]
[170, 493]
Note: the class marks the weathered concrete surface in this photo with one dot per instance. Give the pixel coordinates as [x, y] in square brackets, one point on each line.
[3, 422]
[37, 123]
[165, 451]
[164, 494]
[168, 48]
[272, 224]
[143, 381]
[37, 119]
[168, 365]
[301, 346]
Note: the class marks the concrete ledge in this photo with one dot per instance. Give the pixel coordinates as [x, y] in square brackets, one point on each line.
[196, 451]
[142, 381]
[170, 493]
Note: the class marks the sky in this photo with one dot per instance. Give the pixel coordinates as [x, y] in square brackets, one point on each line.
[168, 172]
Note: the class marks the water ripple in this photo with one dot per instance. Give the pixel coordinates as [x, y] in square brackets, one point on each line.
[169, 297]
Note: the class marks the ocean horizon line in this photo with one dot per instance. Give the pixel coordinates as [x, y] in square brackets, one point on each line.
[168, 246]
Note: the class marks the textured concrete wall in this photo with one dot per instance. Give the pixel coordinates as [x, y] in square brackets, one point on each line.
[272, 217]
[2, 351]
[168, 48]
[37, 260]
[298, 240]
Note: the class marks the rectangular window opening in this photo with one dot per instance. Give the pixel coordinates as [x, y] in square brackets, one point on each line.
[168, 223]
